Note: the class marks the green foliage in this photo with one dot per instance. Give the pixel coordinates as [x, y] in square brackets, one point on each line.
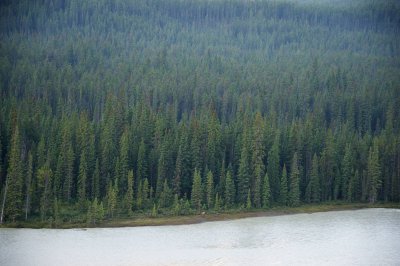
[82, 178]
[373, 171]
[210, 190]
[197, 191]
[294, 189]
[111, 197]
[230, 191]
[283, 196]
[95, 212]
[273, 168]
[82, 106]
[14, 199]
[248, 201]
[244, 171]
[266, 192]
[129, 194]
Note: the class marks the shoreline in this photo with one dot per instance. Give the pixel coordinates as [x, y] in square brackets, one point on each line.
[209, 216]
[234, 215]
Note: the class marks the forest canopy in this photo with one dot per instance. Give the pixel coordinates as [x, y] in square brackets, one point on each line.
[113, 107]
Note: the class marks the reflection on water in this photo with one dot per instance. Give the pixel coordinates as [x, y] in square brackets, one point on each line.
[362, 237]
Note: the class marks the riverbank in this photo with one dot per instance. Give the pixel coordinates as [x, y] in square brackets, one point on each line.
[209, 216]
[234, 214]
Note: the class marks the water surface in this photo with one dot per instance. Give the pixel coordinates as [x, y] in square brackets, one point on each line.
[361, 237]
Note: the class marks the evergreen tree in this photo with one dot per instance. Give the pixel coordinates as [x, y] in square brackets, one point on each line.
[45, 175]
[266, 192]
[14, 202]
[273, 168]
[56, 212]
[347, 171]
[351, 189]
[283, 196]
[82, 177]
[374, 173]
[314, 181]
[244, 172]
[166, 195]
[217, 205]
[28, 185]
[294, 189]
[129, 194]
[230, 192]
[210, 190]
[96, 181]
[197, 191]
[248, 200]
[124, 162]
[111, 199]
[69, 173]
[145, 193]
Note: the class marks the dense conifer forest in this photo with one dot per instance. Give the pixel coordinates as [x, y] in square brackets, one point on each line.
[115, 108]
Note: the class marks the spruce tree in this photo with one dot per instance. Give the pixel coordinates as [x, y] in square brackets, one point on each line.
[14, 198]
[82, 177]
[294, 188]
[347, 171]
[244, 172]
[283, 195]
[248, 200]
[315, 189]
[374, 173]
[197, 191]
[69, 173]
[28, 185]
[44, 177]
[266, 192]
[210, 190]
[124, 162]
[96, 181]
[165, 196]
[273, 168]
[229, 191]
[129, 194]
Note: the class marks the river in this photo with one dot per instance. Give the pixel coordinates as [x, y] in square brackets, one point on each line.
[357, 237]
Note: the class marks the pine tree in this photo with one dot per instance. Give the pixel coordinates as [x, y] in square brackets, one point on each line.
[347, 171]
[145, 193]
[266, 192]
[82, 177]
[248, 200]
[273, 168]
[315, 189]
[129, 194]
[197, 191]
[283, 196]
[141, 163]
[230, 192]
[44, 177]
[28, 185]
[244, 172]
[96, 181]
[124, 162]
[210, 190]
[374, 173]
[111, 199]
[14, 202]
[294, 189]
[69, 173]
[56, 212]
[351, 189]
[165, 196]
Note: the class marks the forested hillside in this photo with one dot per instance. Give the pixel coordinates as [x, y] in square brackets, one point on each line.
[112, 108]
